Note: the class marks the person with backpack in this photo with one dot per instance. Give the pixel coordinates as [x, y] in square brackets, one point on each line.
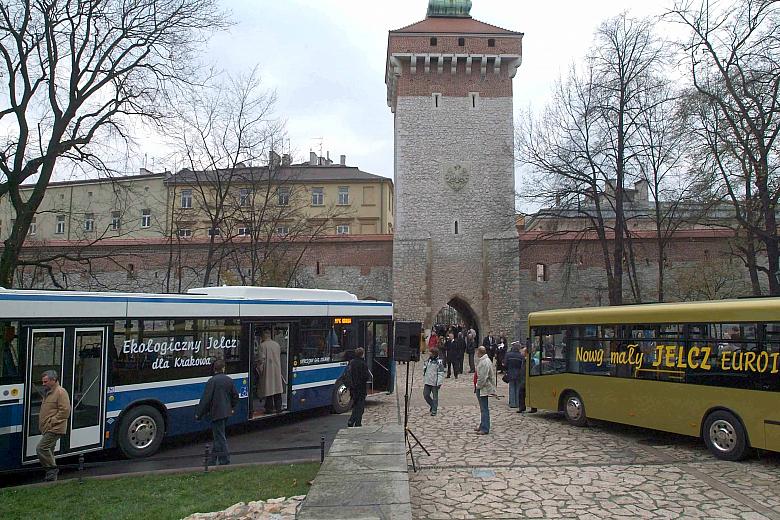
[356, 377]
[433, 377]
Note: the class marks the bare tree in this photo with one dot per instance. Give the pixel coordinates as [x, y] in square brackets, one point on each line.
[77, 71]
[734, 55]
[662, 160]
[220, 130]
[585, 148]
[280, 224]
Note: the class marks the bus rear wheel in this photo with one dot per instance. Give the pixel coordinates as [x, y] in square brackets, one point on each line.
[141, 432]
[725, 436]
[574, 409]
[342, 398]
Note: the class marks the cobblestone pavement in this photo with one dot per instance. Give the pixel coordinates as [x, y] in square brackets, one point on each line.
[538, 466]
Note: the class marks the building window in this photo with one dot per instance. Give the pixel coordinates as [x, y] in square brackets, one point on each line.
[283, 194]
[185, 232]
[146, 218]
[60, 225]
[89, 222]
[317, 197]
[491, 42]
[244, 231]
[342, 229]
[461, 42]
[214, 232]
[243, 197]
[186, 199]
[344, 195]
[541, 273]
[456, 227]
[116, 221]
[33, 227]
[434, 42]
[282, 231]
[436, 98]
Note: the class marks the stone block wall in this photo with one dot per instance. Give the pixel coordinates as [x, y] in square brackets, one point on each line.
[457, 218]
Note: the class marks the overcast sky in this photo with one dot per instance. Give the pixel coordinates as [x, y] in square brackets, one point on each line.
[326, 61]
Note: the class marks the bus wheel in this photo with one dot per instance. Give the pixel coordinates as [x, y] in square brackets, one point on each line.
[724, 436]
[342, 398]
[141, 432]
[574, 409]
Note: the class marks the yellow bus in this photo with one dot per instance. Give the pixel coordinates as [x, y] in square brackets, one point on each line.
[707, 369]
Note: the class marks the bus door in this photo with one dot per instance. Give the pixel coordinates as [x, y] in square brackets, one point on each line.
[263, 382]
[78, 355]
[375, 336]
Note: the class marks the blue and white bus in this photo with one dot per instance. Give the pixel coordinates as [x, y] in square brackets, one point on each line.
[135, 365]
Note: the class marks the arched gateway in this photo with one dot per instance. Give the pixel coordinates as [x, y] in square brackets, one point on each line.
[449, 85]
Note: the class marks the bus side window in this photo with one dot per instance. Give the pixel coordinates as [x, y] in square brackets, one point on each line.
[535, 352]
[554, 350]
[10, 360]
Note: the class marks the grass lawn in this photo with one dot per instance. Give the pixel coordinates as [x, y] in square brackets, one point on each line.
[156, 496]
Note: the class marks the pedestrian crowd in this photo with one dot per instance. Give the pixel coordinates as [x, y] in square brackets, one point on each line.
[447, 349]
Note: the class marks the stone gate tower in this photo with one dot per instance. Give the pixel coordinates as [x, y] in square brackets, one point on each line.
[449, 84]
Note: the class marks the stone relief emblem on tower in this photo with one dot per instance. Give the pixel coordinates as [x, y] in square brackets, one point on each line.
[457, 177]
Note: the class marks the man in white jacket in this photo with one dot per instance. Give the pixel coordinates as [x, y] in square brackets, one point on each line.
[485, 386]
[433, 377]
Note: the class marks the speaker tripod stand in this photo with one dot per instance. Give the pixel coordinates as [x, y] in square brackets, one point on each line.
[408, 433]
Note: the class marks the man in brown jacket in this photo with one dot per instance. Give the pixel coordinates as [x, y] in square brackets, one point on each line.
[52, 421]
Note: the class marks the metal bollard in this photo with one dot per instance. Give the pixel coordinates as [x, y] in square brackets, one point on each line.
[322, 449]
[81, 468]
[206, 457]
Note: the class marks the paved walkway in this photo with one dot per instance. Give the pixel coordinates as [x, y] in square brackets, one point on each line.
[538, 466]
[364, 476]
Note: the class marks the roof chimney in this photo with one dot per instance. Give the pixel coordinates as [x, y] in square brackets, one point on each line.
[312, 159]
[274, 159]
[343, 160]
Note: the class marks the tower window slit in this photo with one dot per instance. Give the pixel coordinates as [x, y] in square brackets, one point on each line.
[456, 227]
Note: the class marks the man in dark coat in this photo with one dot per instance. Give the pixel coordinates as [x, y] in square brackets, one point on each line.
[460, 350]
[490, 345]
[471, 346]
[219, 401]
[450, 355]
[356, 378]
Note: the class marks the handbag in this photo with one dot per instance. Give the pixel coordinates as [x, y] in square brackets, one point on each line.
[505, 378]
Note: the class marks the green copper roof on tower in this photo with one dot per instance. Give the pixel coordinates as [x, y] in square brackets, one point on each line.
[450, 8]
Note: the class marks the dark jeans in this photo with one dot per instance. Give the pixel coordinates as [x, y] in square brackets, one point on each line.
[220, 451]
[358, 406]
[273, 403]
[484, 413]
[452, 366]
[431, 395]
[471, 362]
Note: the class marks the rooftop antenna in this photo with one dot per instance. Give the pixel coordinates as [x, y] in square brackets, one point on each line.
[320, 139]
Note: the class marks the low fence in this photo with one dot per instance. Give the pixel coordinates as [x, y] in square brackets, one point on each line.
[207, 457]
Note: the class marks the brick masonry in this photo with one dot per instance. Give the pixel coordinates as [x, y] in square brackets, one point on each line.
[379, 267]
